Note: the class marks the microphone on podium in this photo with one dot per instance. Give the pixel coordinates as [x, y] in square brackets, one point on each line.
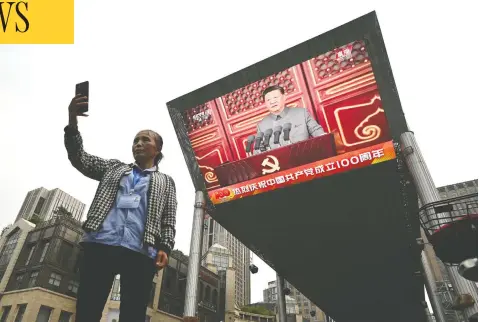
[277, 133]
[286, 131]
[267, 137]
[249, 143]
[257, 141]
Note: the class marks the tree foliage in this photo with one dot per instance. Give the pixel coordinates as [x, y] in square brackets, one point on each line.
[35, 219]
[62, 212]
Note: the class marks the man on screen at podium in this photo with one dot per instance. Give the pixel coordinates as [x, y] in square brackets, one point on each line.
[283, 125]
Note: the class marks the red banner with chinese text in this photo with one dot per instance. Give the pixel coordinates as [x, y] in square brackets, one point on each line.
[341, 163]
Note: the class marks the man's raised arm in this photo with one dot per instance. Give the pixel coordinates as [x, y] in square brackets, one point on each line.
[91, 166]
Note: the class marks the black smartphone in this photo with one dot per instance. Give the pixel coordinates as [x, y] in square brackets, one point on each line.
[84, 90]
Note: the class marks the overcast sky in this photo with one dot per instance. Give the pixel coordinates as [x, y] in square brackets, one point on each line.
[141, 55]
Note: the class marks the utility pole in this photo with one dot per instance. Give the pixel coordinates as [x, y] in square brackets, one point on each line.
[281, 298]
[194, 263]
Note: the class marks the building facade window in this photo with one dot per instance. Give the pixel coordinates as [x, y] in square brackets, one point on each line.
[63, 254]
[20, 312]
[214, 300]
[78, 261]
[221, 261]
[30, 254]
[172, 262]
[44, 251]
[34, 236]
[9, 247]
[73, 286]
[33, 279]
[44, 314]
[207, 293]
[5, 313]
[55, 279]
[202, 291]
[69, 234]
[181, 285]
[65, 316]
[18, 281]
[176, 308]
[168, 277]
[48, 232]
[164, 304]
[39, 206]
[210, 241]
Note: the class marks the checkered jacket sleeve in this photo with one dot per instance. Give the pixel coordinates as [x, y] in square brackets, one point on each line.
[168, 218]
[91, 166]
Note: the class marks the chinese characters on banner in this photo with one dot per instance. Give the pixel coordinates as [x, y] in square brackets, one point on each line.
[345, 162]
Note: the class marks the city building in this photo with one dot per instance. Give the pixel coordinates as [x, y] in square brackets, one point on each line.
[295, 300]
[444, 287]
[41, 204]
[213, 234]
[43, 282]
[11, 244]
[39, 266]
[218, 256]
[458, 189]
[217, 259]
[39, 269]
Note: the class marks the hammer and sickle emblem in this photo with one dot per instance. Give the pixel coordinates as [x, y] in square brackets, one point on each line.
[272, 166]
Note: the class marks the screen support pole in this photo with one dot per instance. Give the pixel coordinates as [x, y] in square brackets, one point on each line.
[429, 317]
[194, 263]
[431, 289]
[428, 193]
[281, 298]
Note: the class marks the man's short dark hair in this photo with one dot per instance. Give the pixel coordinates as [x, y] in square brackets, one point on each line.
[273, 88]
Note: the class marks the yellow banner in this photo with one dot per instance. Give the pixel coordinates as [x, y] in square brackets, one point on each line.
[36, 22]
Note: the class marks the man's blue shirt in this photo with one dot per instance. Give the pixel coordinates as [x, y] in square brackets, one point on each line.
[125, 226]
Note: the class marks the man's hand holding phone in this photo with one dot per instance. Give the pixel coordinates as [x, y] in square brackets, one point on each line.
[77, 107]
[79, 104]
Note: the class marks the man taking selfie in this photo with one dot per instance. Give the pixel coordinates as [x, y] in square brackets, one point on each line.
[130, 227]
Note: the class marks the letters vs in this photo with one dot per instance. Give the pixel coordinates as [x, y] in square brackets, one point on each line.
[17, 14]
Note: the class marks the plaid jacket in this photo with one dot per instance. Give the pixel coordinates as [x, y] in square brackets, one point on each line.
[161, 218]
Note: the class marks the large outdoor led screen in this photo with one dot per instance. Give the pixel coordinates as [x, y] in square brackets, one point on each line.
[318, 118]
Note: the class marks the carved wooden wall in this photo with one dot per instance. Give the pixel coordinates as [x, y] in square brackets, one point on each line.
[241, 110]
[338, 88]
[346, 97]
[208, 139]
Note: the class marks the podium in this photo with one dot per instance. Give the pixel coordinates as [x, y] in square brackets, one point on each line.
[283, 158]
